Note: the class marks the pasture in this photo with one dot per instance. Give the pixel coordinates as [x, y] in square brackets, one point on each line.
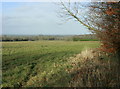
[39, 63]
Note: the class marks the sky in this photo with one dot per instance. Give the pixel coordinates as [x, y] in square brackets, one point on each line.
[37, 18]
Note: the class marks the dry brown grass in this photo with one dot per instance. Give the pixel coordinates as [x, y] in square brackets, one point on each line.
[91, 69]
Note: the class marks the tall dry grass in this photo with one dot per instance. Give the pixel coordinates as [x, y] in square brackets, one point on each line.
[94, 69]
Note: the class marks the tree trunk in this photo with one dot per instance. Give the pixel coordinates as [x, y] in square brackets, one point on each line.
[118, 68]
[118, 57]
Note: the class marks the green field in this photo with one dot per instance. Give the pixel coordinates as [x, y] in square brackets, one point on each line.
[39, 63]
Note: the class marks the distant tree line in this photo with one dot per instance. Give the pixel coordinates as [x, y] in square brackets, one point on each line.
[89, 37]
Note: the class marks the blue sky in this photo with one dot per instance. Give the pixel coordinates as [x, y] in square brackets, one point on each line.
[28, 18]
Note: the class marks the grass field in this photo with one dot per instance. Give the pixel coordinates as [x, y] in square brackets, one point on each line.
[39, 63]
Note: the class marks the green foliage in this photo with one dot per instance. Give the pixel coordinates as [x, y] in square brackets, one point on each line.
[41, 63]
[87, 37]
[77, 39]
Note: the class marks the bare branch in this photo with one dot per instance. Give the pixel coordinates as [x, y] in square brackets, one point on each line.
[70, 13]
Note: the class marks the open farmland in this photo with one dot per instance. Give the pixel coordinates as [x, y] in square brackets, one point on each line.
[39, 63]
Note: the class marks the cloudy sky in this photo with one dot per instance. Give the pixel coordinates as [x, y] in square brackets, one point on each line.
[34, 18]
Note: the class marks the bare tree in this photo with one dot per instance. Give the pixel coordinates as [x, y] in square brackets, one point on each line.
[101, 18]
